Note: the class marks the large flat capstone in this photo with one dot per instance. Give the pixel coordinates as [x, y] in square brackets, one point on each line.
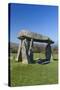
[36, 37]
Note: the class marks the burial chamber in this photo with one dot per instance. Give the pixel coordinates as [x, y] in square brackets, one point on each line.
[25, 50]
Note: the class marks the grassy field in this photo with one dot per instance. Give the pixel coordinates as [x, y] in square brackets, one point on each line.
[33, 74]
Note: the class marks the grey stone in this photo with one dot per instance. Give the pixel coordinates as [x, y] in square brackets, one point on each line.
[25, 51]
[48, 52]
[36, 37]
[30, 52]
[19, 54]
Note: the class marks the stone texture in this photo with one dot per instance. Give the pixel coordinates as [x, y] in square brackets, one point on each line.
[30, 51]
[25, 51]
[48, 52]
[36, 37]
[19, 54]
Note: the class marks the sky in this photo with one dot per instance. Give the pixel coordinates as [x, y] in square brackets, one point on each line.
[41, 19]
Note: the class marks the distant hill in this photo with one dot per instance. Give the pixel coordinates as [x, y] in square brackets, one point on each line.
[13, 47]
[37, 47]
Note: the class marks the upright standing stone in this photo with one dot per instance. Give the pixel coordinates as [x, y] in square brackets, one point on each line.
[48, 52]
[30, 52]
[24, 52]
[19, 54]
[51, 59]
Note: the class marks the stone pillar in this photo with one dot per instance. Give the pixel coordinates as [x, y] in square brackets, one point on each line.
[51, 59]
[30, 52]
[19, 54]
[24, 52]
[48, 52]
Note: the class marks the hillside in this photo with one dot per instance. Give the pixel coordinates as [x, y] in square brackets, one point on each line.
[36, 48]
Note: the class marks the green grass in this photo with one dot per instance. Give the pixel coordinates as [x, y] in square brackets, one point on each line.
[33, 74]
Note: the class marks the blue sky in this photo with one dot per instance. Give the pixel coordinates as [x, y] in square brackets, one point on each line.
[36, 18]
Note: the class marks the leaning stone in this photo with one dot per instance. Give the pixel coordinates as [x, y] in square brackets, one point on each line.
[19, 54]
[24, 54]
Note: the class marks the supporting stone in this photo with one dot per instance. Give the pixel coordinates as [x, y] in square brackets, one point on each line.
[48, 52]
[24, 52]
[19, 54]
[30, 52]
[51, 57]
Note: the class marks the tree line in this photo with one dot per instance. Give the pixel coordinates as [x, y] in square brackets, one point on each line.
[37, 48]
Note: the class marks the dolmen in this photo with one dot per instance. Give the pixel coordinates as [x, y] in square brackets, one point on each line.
[25, 50]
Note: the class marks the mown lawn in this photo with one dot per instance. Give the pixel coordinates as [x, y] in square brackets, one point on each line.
[33, 74]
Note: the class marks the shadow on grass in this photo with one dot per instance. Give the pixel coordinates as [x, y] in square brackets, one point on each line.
[38, 61]
[55, 59]
[41, 61]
